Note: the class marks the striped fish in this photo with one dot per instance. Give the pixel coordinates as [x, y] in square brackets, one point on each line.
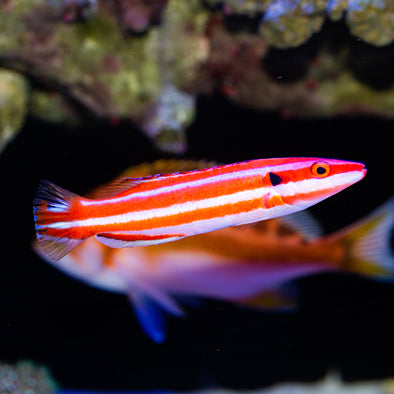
[167, 207]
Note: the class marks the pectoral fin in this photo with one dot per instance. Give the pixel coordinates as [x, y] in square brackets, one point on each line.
[149, 305]
[150, 301]
[149, 315]
[126, 240]
[272, 200]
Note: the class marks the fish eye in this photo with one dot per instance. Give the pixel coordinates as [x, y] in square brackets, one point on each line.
[320, 169]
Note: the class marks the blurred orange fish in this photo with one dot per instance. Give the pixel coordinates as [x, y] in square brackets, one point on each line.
[250, 265]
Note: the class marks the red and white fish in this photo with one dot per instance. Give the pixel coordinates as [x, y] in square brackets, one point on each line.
[248, 265]
[163, 208]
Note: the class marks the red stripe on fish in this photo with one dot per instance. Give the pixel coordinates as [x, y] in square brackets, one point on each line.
[137, 237]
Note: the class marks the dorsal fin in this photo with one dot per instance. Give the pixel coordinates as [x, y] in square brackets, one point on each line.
[166, 166]
[118, 186]
[145, 172]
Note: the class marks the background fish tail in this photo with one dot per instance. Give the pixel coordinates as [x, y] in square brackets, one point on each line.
[369, 243]
[52, 205]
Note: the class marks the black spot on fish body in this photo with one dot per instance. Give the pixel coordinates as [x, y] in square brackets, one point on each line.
[275, 179]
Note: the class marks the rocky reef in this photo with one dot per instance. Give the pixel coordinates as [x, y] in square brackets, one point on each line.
[13, 104]
[26, 377]
[148, 61]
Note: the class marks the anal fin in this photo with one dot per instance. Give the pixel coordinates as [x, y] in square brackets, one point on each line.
[126, 240]
[283, 298]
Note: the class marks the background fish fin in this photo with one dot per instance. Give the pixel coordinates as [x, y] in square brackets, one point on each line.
[304, 223]
[370, 243]
[283, 298]
[143, 286]
[149, 304]
[190, 301]
[149, 315]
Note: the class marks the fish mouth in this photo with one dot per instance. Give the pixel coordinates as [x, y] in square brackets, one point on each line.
[357, 176]
[363, 170]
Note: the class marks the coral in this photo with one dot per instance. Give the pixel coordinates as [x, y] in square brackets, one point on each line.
[26, 377]
[164, 123]
[147, 61]
[138, 15]
[289, 23]
[336, 9]
[372, 21]
[86, 57]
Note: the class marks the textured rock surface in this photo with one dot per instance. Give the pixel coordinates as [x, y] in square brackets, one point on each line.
[25, 377]
[13, 104]
[147, 61]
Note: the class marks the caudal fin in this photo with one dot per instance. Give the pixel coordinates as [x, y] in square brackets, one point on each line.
[52, 205]
[369, 243]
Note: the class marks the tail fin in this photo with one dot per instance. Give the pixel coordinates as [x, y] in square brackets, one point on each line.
[370, 243]
[52, 205]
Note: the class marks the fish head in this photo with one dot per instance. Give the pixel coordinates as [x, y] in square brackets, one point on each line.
[303, 182]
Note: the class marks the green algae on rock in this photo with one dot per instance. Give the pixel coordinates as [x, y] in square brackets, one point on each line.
[121, 61]
[13, 104]
[372, 21]
[93, 63]
[289, 23]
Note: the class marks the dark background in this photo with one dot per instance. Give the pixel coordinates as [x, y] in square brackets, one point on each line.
[90, 338]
